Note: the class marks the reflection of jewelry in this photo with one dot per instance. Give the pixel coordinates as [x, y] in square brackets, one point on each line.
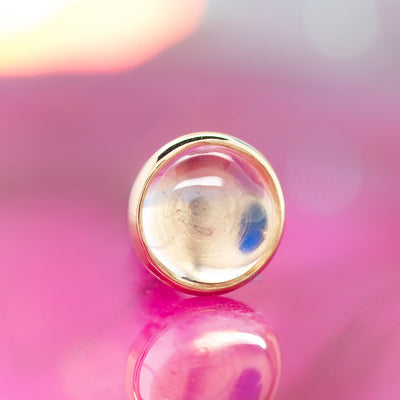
[206, 213]
[204, 348]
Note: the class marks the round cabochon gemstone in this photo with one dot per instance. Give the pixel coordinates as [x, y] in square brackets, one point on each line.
[210, 215]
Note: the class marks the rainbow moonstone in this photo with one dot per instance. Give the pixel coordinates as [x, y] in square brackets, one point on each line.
[211, 215]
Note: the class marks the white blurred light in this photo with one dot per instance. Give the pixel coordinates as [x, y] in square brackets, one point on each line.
[341, 28]
[50, 36]
[323, 176]
[17, 15]
[203, 181]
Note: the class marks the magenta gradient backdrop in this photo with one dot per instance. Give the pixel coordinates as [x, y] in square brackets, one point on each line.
[73, 295]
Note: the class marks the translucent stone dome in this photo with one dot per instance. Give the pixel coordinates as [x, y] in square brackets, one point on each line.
[208, 214]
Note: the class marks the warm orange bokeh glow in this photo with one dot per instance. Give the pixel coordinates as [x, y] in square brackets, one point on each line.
[47, 36]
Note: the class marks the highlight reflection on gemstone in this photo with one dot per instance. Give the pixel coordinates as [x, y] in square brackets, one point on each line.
[210, 349]
[207, 214]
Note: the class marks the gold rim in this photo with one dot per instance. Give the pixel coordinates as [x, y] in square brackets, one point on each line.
[150, 170]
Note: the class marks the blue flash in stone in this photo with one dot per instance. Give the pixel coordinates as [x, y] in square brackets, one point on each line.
[253, 224]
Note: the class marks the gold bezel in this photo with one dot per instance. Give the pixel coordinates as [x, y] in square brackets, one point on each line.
[154, 165]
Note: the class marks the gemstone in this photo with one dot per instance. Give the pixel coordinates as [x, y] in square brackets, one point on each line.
[210, 214]
[206, 214]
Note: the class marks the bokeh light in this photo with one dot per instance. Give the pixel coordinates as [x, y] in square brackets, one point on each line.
[89, 35]
[17, 16]
[341, 28]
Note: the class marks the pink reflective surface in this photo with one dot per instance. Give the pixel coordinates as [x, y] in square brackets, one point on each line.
[73, 296]
[207, 349]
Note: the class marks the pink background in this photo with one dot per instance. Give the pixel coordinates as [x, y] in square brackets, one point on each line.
[73, 295]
